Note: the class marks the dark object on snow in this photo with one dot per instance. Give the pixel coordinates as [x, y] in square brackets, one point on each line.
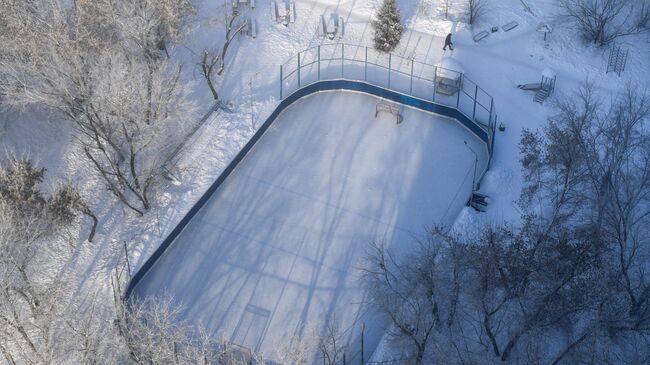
[479, 201]
[494, 29]
[448, 43]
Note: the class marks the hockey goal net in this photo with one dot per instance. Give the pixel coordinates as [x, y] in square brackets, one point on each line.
[391, 109]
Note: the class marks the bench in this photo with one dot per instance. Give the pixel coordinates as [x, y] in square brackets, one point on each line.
[510, 26]
[480, 35]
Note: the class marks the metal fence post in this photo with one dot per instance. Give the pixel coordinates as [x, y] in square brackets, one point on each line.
[363, 329]
[318, 63]
[342, 58]
[475, 96]
[490, 125]
[435, 76]
[460, 89]
[365, 70]
[298, 70]
[390, 58]
[411, 88]
[281, 82]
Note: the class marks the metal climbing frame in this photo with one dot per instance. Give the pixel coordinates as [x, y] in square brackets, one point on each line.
[617, 60]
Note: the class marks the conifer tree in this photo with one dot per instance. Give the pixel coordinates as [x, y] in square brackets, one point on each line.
[388, 27]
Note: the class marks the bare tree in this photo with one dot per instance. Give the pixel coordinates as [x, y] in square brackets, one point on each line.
[622, 182]
[599, 154]
[603, 21]
[474, 10]
[407, 292]
[233, 28]
[530, 282]
[643, 19]
[329, 343]
[209, 61]
[213, 63]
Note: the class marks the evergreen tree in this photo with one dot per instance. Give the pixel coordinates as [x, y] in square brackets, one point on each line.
[388, 27]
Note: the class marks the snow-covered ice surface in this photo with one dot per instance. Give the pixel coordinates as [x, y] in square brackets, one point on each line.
[275, 253]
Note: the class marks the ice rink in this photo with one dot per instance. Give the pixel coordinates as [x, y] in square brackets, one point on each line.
[274, 254]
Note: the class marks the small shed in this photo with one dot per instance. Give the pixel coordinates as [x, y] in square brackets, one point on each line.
[449, 76]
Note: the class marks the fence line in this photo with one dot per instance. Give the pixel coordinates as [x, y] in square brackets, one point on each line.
[404, 75]
[170, 161]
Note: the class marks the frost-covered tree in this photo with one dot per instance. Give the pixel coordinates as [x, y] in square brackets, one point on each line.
[21, 195]
[20, 186]
[36, 308]
[101, 64]
[388, 27]
[67, 203]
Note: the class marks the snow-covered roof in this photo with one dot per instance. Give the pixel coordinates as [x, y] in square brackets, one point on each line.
[449, 64]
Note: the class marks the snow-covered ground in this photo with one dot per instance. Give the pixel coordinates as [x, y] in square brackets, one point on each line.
[497, 63]
[275, 253]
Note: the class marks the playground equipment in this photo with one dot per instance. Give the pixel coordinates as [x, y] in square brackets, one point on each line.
[236, 4]
[449, 76]
[331, 28]
[249, 27]
[544, 28]
[617, 60]
[284, 14]
[526, 7]
[480, 35]
[544, 88]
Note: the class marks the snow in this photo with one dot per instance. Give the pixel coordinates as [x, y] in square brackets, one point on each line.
[498, 63]
[275, 252]
[549, 73]
[449, 63]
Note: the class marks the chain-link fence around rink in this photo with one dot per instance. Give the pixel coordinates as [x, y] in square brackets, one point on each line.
[404, 75]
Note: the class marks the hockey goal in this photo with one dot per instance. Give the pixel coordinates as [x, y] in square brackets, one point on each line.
[394, 110]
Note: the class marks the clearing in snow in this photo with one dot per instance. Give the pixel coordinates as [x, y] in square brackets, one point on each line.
[274, 254]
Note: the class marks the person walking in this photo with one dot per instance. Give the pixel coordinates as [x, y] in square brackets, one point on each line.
[448, 43]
